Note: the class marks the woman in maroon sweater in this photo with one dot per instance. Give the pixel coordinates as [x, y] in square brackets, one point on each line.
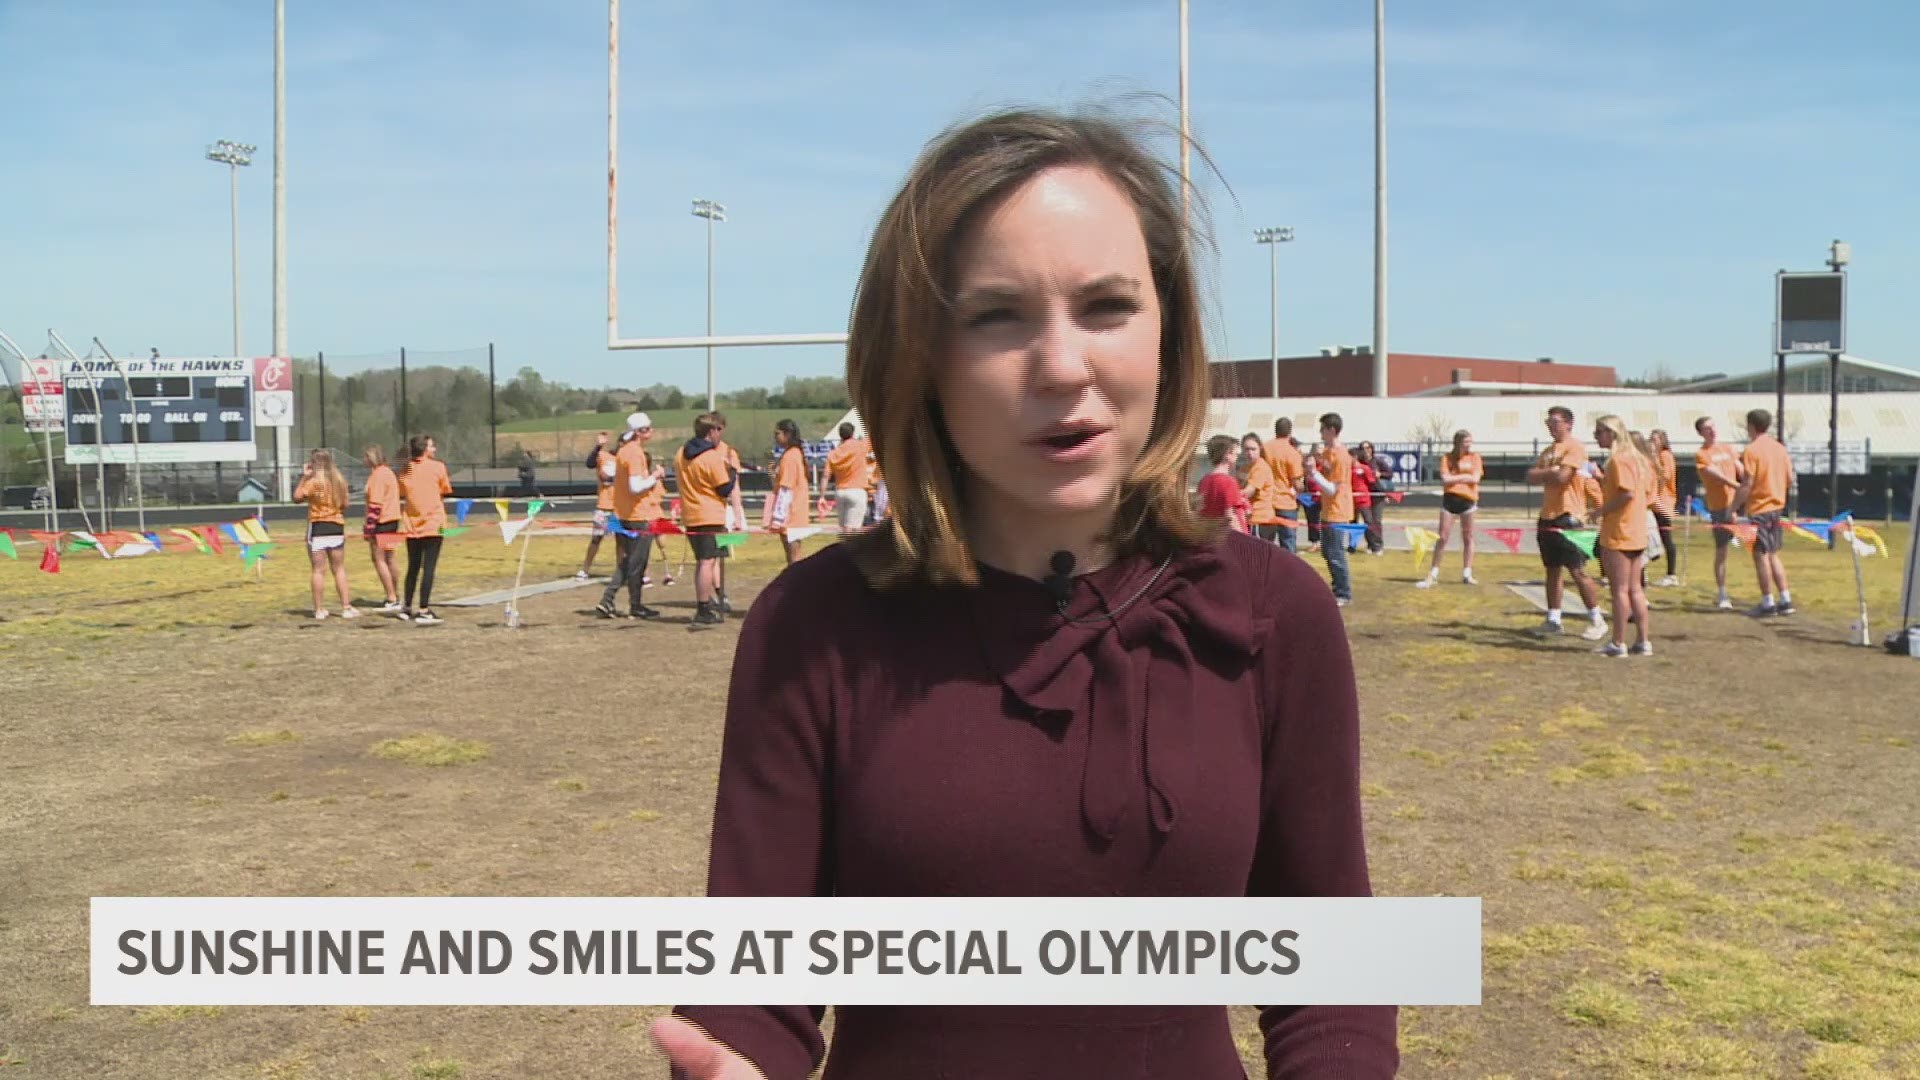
[945, 707]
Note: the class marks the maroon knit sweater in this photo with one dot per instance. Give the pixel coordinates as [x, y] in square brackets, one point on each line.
[966, 742]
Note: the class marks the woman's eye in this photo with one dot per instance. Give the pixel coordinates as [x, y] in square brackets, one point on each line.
[1112, 307]
[990, 317]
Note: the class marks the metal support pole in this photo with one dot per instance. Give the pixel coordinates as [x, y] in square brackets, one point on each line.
[403, 393]
[1780, 396]
[323, 399]
[233, 233]
[493, 416]
[713, 400]
[46, 433]
[1186, 175]
[1273, 313]
[133, 429]
[1833, 440]
[1379, 198]
[281, 448]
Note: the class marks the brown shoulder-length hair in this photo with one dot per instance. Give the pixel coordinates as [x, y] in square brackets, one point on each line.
[901, 322]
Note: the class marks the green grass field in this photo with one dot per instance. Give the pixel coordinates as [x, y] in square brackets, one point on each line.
[1698, 865]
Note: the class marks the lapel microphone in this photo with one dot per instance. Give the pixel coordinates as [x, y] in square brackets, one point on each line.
[1060, 582]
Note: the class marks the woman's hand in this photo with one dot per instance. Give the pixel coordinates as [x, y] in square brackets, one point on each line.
[700, 1055]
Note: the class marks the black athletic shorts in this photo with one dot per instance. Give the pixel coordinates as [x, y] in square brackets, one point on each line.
[326, 528]
[705, 541]
[1722, 520]
[1456, 504]
[1768, 533]
[1555, 548]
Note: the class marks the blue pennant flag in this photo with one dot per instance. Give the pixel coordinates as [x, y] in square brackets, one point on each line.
[1700, 508]
[460, 508]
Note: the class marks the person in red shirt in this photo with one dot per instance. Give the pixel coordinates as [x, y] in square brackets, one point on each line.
[1220, 496]
[1046, 674]
[1368, 498]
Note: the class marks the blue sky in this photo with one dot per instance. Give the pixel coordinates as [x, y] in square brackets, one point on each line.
[1609, 182]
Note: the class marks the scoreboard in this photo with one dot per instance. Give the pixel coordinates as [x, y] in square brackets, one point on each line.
[182, 410]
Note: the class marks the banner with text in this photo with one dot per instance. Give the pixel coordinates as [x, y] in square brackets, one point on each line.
[823, 950]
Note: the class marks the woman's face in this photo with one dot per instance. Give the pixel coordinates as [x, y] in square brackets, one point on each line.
[1366, 452]
[1249, 449]
[1466, 445]
[432, 450]
[1052, 361]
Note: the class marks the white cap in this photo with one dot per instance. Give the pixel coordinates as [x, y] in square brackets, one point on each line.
[639, 420]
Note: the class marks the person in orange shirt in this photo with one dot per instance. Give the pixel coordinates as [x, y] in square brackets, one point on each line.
[876, 491]
[1331, 471]
[1762, 497]
[1666, 503]
[1259, 489]
[786, 509]
[1289, 473]
[382, 528]
[324, 491]
[1721, 475]
[636, 484]
[706, 483]
[1565, 472]
[423, 488]
[598, 460]
[736, 507]
[848, 468]
[1461, 471]
[1627, 486]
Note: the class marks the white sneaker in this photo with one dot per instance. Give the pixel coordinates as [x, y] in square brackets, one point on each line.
[1341, 601]
[1612, 651]
[1725, 603]
[349, 612]
[1466, 578]
[1669, 582]
[1640, 648]
[427, 618]
[1548, 628]
[1427, 582]
[319, 614]
[390, 607]
[1594, 631]
[582, 575]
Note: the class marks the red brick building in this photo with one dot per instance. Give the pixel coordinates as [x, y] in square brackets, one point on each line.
[1349, 373]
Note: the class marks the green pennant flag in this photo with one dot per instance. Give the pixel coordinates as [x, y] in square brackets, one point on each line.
[81, 540]
[1584, 539]
[727, 540]
[454, 530]
[253, 553]
[6, 545]
[536, 506]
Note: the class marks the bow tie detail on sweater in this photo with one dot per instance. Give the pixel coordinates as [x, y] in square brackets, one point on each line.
[1129, 681]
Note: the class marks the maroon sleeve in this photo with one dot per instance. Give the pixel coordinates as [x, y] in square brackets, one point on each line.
[1311, 843]
[771, 815]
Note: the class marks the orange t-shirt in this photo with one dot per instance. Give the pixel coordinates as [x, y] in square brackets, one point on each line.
[1288, 470]
[629, 461]
[847, 465]
[790, 484]
[873, 474]
[1725, 460]
[423, 486]
[322, 504]
[1260, 477]
[383, 492]
[1469, 465]
[700, 481]
[1569, 498]
[1336, 465]
[1626, 528]
[603, 494]
[1668, 494]
[1772, 471]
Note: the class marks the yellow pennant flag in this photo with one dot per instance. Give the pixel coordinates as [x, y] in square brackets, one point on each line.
[500, 507]
[251, 532]
[1422, 541]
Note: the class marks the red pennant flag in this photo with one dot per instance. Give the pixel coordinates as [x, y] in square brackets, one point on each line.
[45, 539]
[1510, 538]
[213, 539]
[49, 559]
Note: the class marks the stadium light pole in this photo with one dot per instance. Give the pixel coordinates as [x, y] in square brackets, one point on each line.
[282, 440]
[234, 156]
[712, 211]
[1379, 198]
[1273, 238]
